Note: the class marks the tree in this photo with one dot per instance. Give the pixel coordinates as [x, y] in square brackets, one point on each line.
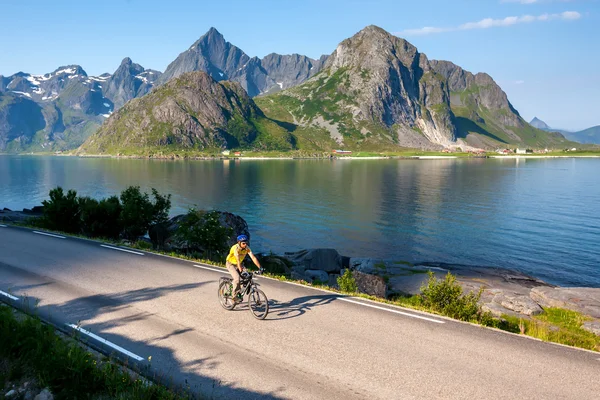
[62, 213]
[139, 213]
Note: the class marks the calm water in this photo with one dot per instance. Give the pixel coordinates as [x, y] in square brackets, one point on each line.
[540, 216]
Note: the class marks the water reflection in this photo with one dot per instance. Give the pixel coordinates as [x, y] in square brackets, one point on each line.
[540, 216]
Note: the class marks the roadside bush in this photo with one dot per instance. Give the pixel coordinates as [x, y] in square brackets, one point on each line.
[203, 230]
[62, 212]
[100, 218]
[446, 297]
[347, 283]
[139, 212]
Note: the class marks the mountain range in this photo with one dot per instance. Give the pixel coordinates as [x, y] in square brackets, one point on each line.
[586, 136]
[375, 91]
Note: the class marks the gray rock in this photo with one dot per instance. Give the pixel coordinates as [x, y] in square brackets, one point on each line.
[313, 274]
[592, 326]
[328, 260]
[518, 303]
[370, 284]
[164, 235]
[333, 280]
[44, 395]
[583, 300]
[367, 265]
[11, 393]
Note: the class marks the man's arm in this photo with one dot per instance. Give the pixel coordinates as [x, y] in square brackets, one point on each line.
[254, 260]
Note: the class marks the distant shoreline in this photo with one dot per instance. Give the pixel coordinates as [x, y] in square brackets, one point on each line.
[176, 157]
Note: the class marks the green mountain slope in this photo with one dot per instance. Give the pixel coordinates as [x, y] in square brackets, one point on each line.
[190, 113]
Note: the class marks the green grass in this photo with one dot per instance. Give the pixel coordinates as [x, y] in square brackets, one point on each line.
[557, 325]
[30, 348]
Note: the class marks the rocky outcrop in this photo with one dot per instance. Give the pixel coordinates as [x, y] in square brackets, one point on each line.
[7, 215]
[583, 300]
[478, 91]
[163, 236]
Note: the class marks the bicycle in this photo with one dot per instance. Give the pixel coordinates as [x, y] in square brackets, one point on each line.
[257, 300]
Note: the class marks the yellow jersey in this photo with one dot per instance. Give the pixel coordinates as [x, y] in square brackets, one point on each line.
[237, 250]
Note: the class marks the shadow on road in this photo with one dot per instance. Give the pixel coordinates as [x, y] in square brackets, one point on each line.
[297, 307]
[185, 377]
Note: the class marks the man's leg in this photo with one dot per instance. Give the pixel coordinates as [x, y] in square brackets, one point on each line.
[235, 274]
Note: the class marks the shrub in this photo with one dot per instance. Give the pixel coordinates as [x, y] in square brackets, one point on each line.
[62, 213]
[203, 230]
[446, 297]
[347, 283]
[101, 218]
[139, 212]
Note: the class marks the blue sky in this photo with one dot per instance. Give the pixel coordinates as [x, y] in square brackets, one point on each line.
[545, 54]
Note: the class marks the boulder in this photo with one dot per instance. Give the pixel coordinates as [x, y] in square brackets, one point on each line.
[519, 303]
[163, 235]
[274, 264]
[328, 260]
[316, 274]
[370, 284]
[583, 300]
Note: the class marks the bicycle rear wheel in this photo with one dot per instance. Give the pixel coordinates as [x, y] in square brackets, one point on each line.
[225, 295]
[258, 303]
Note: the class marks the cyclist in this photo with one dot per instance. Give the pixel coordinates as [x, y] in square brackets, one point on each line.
[237, 253]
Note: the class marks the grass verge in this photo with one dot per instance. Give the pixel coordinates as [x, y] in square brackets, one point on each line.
[30, 348]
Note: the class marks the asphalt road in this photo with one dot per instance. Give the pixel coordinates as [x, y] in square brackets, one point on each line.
[163, 314]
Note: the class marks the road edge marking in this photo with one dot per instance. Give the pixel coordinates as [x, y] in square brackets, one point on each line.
[10, 296]
[390, 310]
[210, 269]
[2, 226]
[49, 234]
[125, 250]
[106, 342]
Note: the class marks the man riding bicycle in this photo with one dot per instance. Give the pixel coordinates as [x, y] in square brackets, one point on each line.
[237, 253]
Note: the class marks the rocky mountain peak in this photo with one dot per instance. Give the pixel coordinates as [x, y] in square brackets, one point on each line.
[130, 80]
[70, 70]
[390, 83]
[538, 123]
[374, 48]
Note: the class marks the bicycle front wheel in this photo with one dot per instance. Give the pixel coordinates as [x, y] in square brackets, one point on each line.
[258, 303]
[225, 295]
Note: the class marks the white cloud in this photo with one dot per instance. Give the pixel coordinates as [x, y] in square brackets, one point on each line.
[519, 82]
[493, 23]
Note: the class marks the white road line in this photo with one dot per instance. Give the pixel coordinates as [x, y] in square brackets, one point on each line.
[106, 342]
[223, 271]
[125, 250]
[345, 299]
[10, 296]
[390, 310]
[49, 234]
[2, 226]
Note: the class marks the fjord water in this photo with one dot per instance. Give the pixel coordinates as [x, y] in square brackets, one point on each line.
[539, 216]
